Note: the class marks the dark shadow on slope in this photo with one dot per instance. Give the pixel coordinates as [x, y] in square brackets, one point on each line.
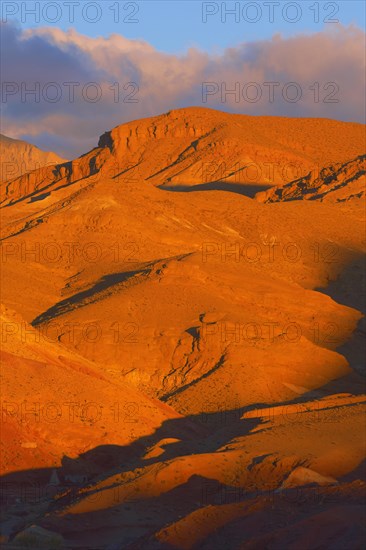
[98, 291]
[349, 289]
[101, 289]
[192, 432]
[196, 434]
[246, 189]
[257, 510]
[78, 478]
[22, 491]
[310, 516]
[40, 197]
[159, 511]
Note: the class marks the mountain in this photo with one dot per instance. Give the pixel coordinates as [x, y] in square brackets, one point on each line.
[339, 182]
[183, 149]
[228, 328]
[20, 157]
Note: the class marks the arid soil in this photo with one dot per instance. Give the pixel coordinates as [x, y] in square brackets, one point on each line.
[182, 338]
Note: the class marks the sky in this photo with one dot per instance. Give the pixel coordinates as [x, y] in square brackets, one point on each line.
[175, 25]
[94, 65]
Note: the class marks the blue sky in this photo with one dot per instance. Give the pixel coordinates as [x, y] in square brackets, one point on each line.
[175, 25]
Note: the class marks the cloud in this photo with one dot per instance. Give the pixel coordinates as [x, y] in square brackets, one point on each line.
[84, 86]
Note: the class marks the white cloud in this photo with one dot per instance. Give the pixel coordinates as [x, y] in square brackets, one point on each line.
[166, 81]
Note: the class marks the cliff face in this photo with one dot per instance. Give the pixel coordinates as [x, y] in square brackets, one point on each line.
[197, 146]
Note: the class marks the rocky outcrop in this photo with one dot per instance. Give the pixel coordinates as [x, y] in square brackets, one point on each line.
[338, 182]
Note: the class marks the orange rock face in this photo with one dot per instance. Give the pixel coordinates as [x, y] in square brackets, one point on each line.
[182, 340]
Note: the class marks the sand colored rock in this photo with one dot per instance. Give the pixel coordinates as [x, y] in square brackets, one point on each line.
[182, 363]
[19, 157]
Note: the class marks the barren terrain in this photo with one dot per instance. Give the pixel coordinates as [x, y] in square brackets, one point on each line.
[182, 338]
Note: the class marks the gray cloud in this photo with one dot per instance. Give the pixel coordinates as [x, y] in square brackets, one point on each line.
[71, 125]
